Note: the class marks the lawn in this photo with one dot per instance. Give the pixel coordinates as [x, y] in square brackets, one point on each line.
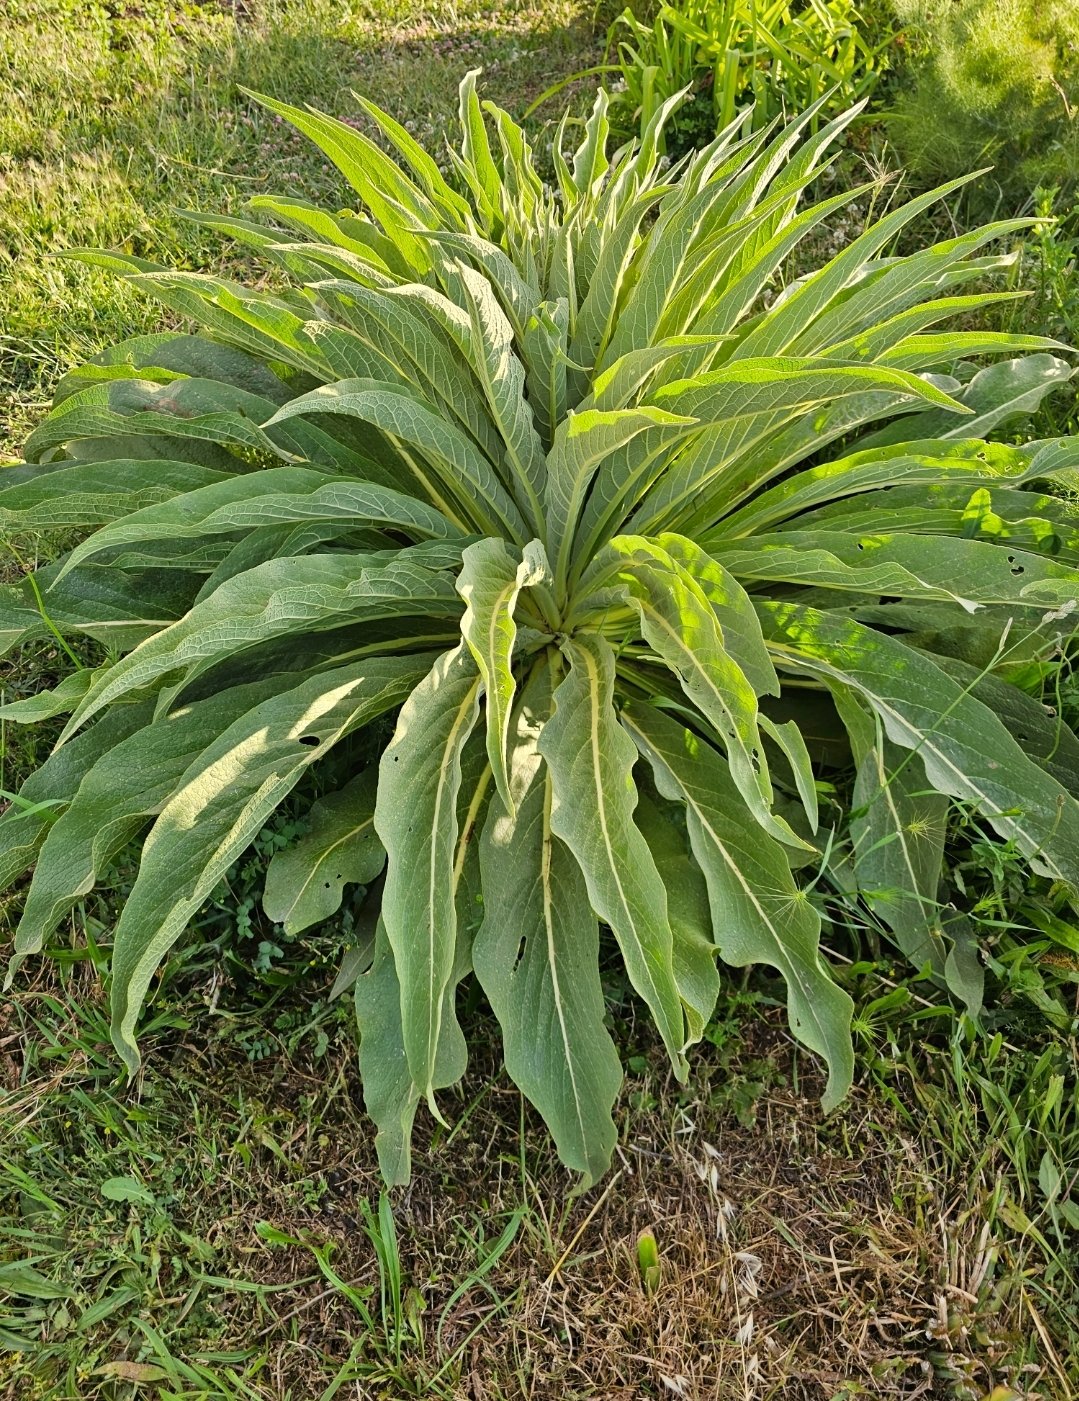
[216, 1230]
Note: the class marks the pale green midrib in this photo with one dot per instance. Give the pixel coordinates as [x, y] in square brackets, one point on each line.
[434, 1002]
[670, 509]
[326, 854]
[498, 706]
[515, 460]
[552, 959]
[597, 773]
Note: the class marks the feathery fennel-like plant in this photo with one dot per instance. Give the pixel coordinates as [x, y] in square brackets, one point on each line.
[550, 476]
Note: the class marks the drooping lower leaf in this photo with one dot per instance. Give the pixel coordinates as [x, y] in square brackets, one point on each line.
[305, 882]
[117, 608]
[537, 956]
[172, 354]
[897, 826]
[391, 1094]
[416, 819]
[221, 803]
[276, 599]
[126, 786]
[966, 751]
[81, 494]
[593, 798]
[61, 700]
[50, 788]
[759, 915]
[694, 948]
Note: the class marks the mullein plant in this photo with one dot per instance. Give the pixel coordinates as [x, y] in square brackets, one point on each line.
[565, 499]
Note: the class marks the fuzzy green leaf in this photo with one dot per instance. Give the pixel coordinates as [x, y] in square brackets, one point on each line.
[537, 958]
[124, 788]
[758, 913]
[994, 396]
[220, 805]
[489, 582]
[898, 825]
[593, 799]
[305, 882]
[682, 628]
[282, 597]
[694, 949]
[416, 819]
[449, 459]
[281, 495]
[966, 751]
[390, 1093]
[965, 572]
[93, 493]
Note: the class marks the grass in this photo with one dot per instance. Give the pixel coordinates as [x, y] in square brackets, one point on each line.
[216, 1232]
